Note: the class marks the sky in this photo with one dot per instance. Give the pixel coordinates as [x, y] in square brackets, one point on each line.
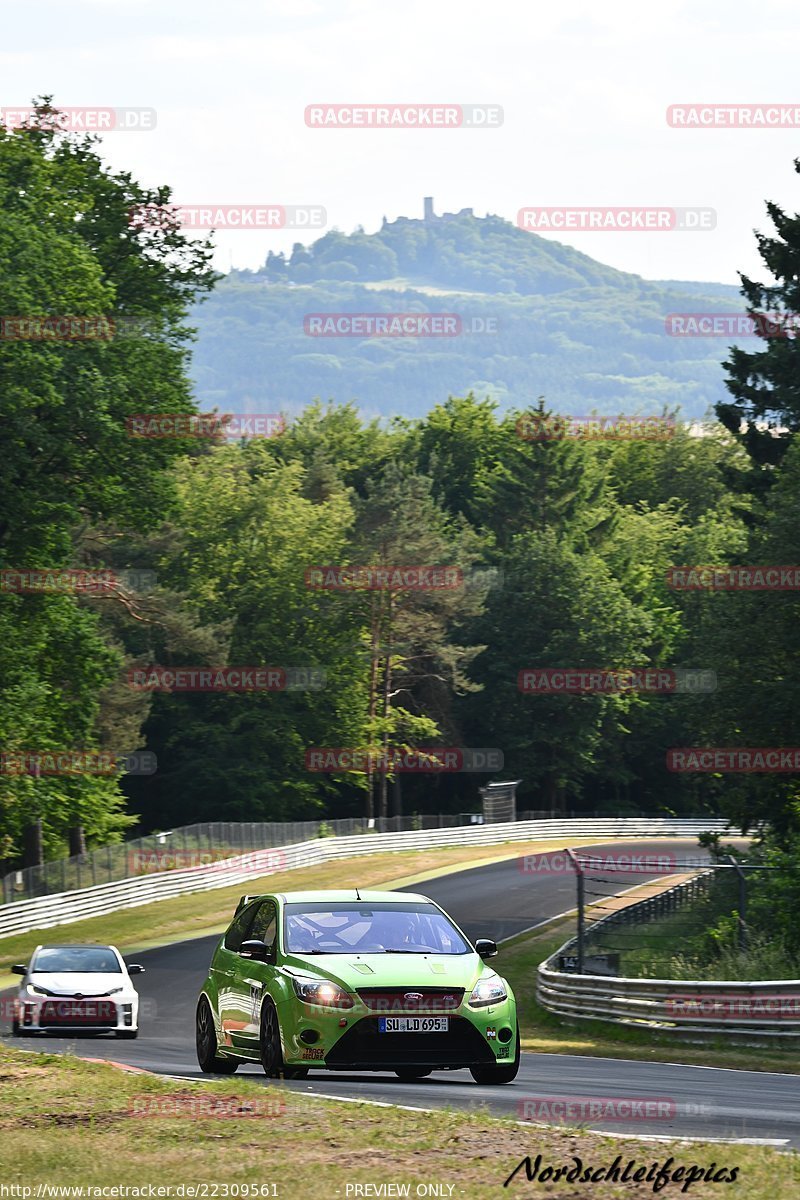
[584, 91]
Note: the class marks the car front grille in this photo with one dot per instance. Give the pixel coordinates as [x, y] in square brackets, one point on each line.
[78, 1012]
[412, 1000]
[364, 1047]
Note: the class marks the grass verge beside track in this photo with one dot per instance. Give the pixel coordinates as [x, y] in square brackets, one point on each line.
[66, 1122]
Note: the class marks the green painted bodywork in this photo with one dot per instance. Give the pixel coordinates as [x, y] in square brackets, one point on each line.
[237, 987]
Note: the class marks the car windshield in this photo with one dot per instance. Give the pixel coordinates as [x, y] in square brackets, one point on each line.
[86, 959]
[368, 928]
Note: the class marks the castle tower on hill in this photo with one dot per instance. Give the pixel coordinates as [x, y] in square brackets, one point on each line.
[430, 217]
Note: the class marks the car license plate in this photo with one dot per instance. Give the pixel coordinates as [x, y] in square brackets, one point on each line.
[413, 1024]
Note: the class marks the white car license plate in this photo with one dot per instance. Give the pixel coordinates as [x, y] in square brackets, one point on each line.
[413, 1024]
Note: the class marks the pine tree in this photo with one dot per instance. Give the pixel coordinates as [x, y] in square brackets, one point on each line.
[765, 383]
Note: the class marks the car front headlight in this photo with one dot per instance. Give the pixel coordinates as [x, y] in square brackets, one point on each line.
[488, 991]
[33, 990]
[114, 991]
[322, 993]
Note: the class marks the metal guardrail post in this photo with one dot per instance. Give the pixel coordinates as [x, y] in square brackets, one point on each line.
[581, 913]
[742, 904]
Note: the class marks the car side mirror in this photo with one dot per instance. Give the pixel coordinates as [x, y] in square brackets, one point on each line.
[258, 950]
[19, 969]
[485, 948]
[135, 969]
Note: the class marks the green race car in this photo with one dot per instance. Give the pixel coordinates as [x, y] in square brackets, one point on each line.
[376, 981]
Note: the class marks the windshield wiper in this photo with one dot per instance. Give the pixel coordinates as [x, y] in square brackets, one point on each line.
[391, 950]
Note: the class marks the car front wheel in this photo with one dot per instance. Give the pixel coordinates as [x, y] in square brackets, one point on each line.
[210, 1062]
[270, 1046]
[497, 1072]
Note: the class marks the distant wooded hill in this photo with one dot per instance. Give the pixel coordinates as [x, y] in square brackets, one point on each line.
[536, 318]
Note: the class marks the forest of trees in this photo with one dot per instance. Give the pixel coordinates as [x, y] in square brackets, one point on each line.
[563, 548]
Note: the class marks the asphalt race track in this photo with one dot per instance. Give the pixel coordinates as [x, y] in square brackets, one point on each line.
[497, 901]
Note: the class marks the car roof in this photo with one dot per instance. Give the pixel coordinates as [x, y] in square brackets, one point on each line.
[76, 946]
[345, 895]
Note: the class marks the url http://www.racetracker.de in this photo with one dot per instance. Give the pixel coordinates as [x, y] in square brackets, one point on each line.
[183, 1191]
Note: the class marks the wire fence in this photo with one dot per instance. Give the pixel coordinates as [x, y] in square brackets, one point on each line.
[675, 918]
[209, 842]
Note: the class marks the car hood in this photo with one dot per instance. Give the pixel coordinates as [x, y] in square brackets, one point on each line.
[89, 983]
[355, 971]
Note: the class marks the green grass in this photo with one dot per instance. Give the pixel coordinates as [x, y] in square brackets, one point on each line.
[698, 941]
[544, 1032]
[648, 950]
[67, 1122]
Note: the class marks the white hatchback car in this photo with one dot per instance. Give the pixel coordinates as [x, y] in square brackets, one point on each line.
[77, 988]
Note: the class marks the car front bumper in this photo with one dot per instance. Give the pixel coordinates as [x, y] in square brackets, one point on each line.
[352, 1040]
[65, 1014]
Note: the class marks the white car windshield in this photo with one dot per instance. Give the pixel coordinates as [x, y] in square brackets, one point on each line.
[83, 959]
[366, 928]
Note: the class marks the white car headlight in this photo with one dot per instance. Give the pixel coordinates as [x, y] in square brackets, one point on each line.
[114, 991]
[488, 991]
[33, 990]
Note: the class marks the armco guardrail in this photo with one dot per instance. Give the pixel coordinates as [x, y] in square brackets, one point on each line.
[768, 1009]
[47, 911]
[200, 844]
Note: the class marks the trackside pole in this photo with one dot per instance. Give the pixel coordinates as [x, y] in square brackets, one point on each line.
[581, 920]
[742, 904]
